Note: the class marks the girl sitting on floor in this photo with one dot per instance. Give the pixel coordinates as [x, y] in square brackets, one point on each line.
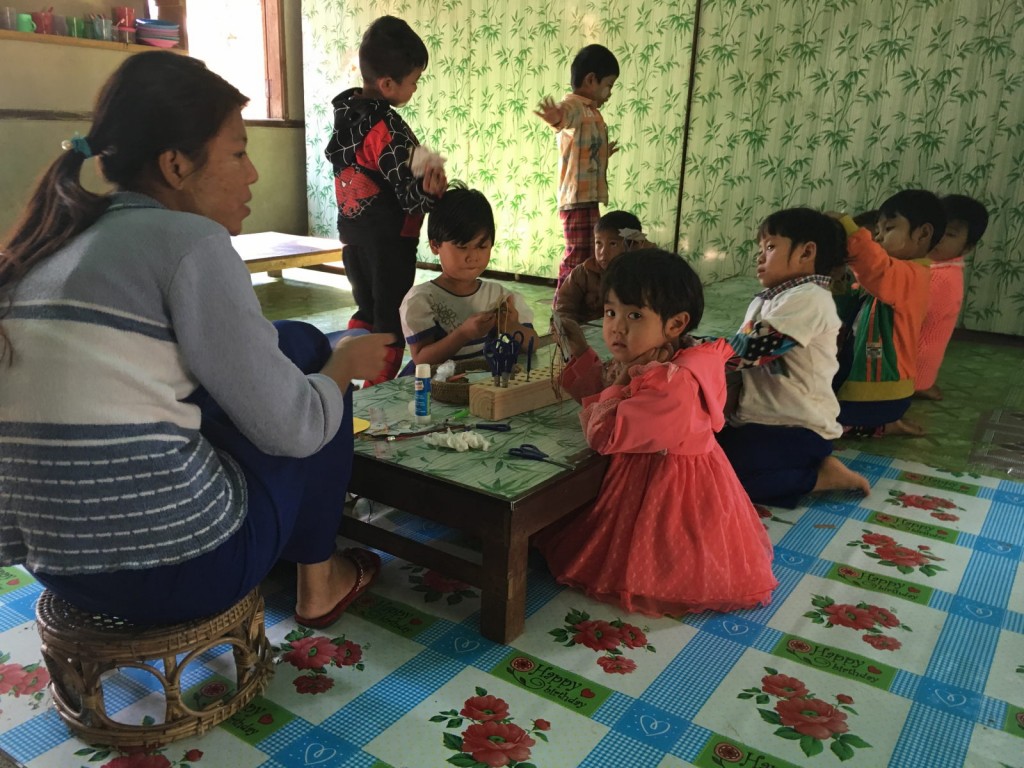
[672, 530]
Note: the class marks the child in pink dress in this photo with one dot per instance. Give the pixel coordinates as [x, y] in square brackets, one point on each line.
[672, 530]
[966, 221]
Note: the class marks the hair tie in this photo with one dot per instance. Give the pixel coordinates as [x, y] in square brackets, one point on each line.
[77, 144]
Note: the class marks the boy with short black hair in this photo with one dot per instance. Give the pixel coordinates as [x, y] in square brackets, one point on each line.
[878, 388]
[966, 222]
[584, 150]
[450, 317]
[381, 199]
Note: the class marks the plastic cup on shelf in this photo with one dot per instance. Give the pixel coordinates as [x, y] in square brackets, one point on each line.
[8, 18]
[60, 25]
[43, 21]
[123, 15]
[102, 29]
[76, 26]
[24, 23]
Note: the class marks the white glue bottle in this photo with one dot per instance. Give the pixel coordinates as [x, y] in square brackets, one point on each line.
[422, 389]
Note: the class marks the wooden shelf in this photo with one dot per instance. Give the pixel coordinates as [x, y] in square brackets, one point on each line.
[82, 42]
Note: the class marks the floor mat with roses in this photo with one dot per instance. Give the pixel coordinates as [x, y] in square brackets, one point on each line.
[896, 637]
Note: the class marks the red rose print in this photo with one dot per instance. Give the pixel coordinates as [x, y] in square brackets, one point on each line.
[901, 555]
[138, 760]
[12, 677]
[918, 502]
[484, 709]
[440, 583]
[882, 616]
[13, 582]
[542, 725]
[347, 653]
[597, 635]
[946, 504]
[310, 653]
[874, 670]
[849, 573]
[849, 616]
[882, 642]
[730, 753]
[783, 686]
[586, 693]
[842, 698]
[193, 755]
[798, 646]
[214, 690]
[875, 539]
[619, 665]
[812, 717]
[266, 718]
[34, 681]
[632, 637]
[522, 664]
[945, 516]
[497, 744]
[313, 683]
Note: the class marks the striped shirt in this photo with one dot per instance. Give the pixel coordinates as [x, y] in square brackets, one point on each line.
[102, 465]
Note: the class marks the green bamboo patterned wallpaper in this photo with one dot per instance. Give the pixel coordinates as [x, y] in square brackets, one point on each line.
[832, 103]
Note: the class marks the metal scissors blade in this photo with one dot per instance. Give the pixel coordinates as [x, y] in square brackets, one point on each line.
[532, 452]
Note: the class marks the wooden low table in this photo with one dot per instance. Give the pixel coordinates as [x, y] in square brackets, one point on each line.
[273, 251]
[495, 498]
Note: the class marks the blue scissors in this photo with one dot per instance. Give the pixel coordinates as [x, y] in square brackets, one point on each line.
[532, 452]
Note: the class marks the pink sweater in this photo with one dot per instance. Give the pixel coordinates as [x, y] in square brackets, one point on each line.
[945, 296]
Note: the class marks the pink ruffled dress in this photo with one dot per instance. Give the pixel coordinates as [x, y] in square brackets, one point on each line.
[672, 530]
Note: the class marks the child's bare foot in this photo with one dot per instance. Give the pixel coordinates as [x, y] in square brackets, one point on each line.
[833, 475]
[904, 427]
[932, 393]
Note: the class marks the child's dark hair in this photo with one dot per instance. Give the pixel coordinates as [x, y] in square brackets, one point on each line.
[918, 206]
[867, 219]
[460, 215]
[968, 210]
[390, 48]
[613, 221]
[593, 58]
[657, 279]
[806, 225]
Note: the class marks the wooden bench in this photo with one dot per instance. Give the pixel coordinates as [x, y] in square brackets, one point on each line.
[271, 252]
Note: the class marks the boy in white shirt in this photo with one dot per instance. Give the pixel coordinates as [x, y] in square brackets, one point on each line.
[450, 317]
[779, 437]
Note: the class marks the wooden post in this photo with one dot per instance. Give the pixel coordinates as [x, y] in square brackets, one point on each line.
[174, 11]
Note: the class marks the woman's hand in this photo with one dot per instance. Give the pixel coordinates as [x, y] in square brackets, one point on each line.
[358, 357]
[435, 181]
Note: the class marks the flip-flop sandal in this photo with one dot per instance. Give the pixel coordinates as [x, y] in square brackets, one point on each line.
[367, 565]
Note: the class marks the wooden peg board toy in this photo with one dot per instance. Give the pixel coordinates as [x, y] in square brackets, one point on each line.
[492, 403]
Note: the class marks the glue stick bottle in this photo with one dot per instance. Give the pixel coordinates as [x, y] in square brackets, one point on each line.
[422, 388]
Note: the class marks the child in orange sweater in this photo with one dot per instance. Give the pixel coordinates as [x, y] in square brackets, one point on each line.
[966, 221]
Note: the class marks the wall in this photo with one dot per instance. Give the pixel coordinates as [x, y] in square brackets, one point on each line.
[490, 64]
[832, 103]
[63, 78]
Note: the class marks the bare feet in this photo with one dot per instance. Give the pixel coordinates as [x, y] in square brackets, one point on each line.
[321, 585]
[932, 393]
[904, 427]
[833, 475]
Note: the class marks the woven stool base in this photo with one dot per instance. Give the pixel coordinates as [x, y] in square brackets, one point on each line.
[79, 648]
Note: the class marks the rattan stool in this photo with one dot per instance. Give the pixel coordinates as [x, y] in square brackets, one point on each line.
[79, 648]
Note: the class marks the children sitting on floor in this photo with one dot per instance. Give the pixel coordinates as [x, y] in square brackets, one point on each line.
[672, 530]
[779, 440]
[966, 221]
[449, 317]
[878, 388]
[579, 297]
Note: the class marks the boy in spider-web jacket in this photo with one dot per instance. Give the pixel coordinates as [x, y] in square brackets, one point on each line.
[383, 193]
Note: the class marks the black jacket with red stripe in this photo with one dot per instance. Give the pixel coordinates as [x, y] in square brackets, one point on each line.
[370, 149]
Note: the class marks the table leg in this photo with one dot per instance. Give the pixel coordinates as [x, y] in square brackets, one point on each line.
[275, 273]
[503, 598]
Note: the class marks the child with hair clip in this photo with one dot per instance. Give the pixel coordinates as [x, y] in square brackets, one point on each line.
[672, 530]
[779, 439]
[579, 297]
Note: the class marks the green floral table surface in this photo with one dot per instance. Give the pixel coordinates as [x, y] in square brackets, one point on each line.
[554, 429]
